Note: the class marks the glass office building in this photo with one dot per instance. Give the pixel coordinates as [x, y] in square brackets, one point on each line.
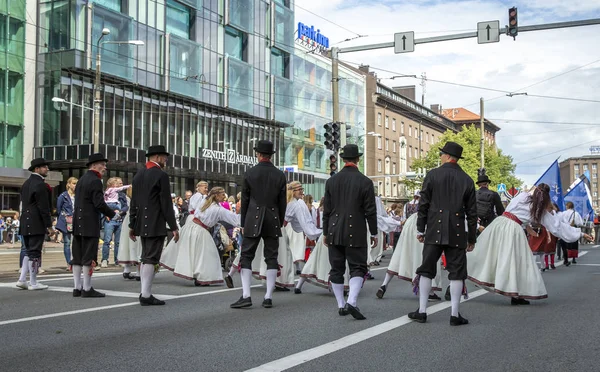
[211, 78]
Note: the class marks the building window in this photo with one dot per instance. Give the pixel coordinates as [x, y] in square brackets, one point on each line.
[576, 175]
[576, 167]
[394, 146]
[402, 127]
[394, 125]
[394, 168]
[595, 185]
[8, 88]
[179, 19]
[379, 118]
[595, 203]
[595, 194]
[387, 144]
[416, 152]
[378, 165]
[585, 167]
[432, 139]
[241, 14]
[387, 121]
[595, 175]
[410, 151]
[236, 44]
[410, 130]
[115, 5]
[427, 137]
[280, 63]
[594, 166]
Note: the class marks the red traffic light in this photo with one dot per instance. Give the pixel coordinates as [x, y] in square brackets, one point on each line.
[333, 159]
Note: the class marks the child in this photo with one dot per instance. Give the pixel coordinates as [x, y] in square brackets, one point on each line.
[111, 195]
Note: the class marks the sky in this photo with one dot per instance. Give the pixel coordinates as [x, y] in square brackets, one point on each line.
[535, 131]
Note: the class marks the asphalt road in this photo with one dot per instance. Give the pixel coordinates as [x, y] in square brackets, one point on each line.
[197, 331]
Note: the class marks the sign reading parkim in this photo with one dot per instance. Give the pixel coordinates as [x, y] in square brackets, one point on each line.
[229, 156]
[309, 33]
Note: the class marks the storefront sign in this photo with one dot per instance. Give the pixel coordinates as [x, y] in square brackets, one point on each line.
[229, 156]
[308, 33]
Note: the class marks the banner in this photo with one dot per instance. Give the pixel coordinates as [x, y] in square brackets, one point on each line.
[552, 178]
[579, 194]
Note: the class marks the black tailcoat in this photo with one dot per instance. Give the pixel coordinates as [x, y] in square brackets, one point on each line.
[151, 206]
[263, 201]
[349, 201]
[35, 207]
[448, 195]
[89, 206]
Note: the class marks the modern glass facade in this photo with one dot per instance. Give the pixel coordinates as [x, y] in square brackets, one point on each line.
[207, 83]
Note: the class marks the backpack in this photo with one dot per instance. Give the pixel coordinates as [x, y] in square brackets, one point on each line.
[485, 205]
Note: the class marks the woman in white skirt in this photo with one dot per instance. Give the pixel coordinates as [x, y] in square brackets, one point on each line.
[385, 225]
[502, 261]
[129, 251]
[195, 256]
[407, 257]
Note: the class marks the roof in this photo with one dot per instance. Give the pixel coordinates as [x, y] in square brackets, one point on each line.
[461, 115]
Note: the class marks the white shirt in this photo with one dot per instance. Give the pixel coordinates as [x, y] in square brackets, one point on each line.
[297, 215]
[519, 207]
[571, 215]
[196, 201]
[215, 214]
[385, 223]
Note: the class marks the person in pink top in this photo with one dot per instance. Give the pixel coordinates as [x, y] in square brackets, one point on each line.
[114, 185]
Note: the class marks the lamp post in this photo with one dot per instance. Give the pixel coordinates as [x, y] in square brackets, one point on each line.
[97, 100]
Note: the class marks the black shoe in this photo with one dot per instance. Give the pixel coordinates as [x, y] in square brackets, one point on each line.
[77, 293]
[447, 296]
[458, 320]
[150, 301]
[553, 267]
[298, 272]
[343, 311]
[198, 284]
[229, 281]
[543, 269]
[345, 293]
[92, 293]
[381, 291]
[297, 291]
[128, 276]
[567, 263]
[137, 278]
[434, 297]
[417, 316]
[267, 303]
[241, 303]
[355, 312]
[281, 289]
[519, 301]
[369, 276]
[574, 261]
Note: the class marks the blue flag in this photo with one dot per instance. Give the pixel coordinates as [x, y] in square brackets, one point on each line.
[579, 195]
[552, 178]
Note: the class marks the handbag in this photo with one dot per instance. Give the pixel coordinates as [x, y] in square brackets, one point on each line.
[69, 221]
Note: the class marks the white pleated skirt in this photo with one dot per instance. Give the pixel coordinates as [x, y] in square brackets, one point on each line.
[296, 242]
[317, 268]
[258, 258]
[285, 274]
[376, 252]
[408, 255]
[194, 256]
[502, 262]
[129, 251]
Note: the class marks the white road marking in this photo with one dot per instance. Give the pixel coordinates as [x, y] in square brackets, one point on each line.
[112, 293]
[344, 342]
[583, 264]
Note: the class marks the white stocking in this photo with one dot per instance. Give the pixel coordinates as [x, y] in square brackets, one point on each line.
[388, 278]
[77, 276]
[456, 288]
[24, 269]
[271, 278]
[147, 278]
[338, 291]
[246, 276]
[424, 288]
[301, 281]
[355, 286]
[87, 278]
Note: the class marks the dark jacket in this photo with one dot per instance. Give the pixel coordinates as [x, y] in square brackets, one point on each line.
[448, 195]
[35, 207]
[64, 207]
[349, 202]
[123, 201]
[263, 201]
[151, 206]
[89, 206]
[489, 205]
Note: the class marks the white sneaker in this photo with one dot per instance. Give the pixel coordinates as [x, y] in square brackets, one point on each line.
[22, 285]
[104, 263]
[37, 287]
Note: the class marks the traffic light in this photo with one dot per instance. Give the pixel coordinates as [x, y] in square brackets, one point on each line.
[513, 23]
[332, 164]
[332, 136]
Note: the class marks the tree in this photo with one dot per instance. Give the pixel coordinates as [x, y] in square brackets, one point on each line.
[499, 167]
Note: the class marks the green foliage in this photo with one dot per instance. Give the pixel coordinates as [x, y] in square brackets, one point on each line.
[499, 167]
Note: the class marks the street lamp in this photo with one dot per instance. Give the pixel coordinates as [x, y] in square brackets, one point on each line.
[97, 100]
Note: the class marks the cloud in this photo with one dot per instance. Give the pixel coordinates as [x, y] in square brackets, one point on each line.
[508, 65]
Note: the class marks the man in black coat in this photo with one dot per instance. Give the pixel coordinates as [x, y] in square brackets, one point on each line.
[489, 204]
[447, 197]
[35, 222]
[150, 211]
[262, 216]
[349, 202]
[89, 208]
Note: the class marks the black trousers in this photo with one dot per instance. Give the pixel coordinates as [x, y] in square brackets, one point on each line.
[33, 244]
[152, 249]
[357, 262]
[456, 261]
[249, 245]
[396, 238]
[84, 250]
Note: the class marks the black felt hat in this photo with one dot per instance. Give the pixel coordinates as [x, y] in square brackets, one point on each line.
[483, 178]
[157, 150]
[38, 162]
[264, 147]
[350, 152]
[453, 149]
[94, 158]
